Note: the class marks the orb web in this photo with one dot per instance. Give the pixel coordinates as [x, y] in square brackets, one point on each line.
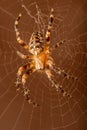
[55, 112]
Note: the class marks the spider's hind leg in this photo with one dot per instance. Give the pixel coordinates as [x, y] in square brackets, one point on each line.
[19, 75]
[22, 75]
[26, 91]
[59, 88]
[62, 72]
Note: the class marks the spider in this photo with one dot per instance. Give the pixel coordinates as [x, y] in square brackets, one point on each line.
[39, 59]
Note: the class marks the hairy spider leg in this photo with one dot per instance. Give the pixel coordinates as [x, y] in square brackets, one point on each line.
[62, 72]
[20, 72]
[57, 45]
[19, 75]
[54, 83]
[22, 56]
[20, 41]
[21, 80]
[27, 93]
[48, 32]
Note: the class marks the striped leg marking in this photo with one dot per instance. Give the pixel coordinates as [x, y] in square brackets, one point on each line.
[57, 45]
[22, 56]
[56, 85]
[26, 91]
[19, 75]
[20, 41]
[49, 28]
[21, 81]
[27, 95]
[62, 72]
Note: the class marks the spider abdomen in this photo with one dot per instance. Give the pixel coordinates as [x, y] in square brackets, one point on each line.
[36, 43]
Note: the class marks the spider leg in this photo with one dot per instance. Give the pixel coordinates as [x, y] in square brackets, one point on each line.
[22, 56]
[26, 91]
[62, 72]
[20, 41]
[21, 81]
[26, 75]
[48, 32]
[57, 45]
[19, 75]
[54, 83]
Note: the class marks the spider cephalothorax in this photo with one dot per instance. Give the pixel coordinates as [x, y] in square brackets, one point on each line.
[39, 59]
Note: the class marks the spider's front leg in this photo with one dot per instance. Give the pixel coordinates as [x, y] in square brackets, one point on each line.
[48, 32]
[57, 45]
[20, 41]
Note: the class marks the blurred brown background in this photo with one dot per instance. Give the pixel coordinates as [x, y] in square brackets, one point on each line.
[55, 112]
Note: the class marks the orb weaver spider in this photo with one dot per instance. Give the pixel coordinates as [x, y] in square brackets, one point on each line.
[39, 59]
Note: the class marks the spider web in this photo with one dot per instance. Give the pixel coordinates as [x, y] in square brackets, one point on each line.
[55, 112]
